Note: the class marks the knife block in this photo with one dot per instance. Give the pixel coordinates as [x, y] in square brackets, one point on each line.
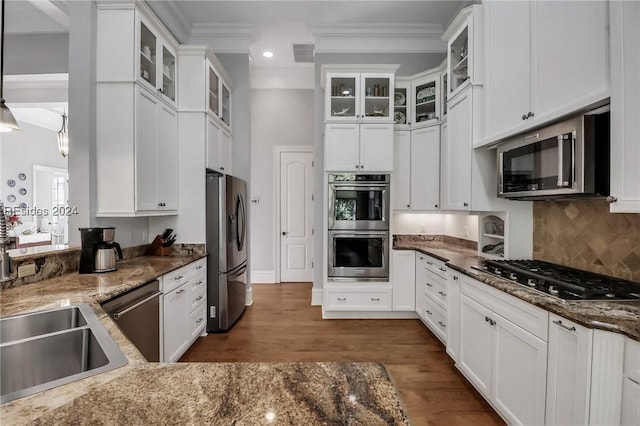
[156, 249]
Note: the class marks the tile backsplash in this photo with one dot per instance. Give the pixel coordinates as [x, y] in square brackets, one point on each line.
[584, 235]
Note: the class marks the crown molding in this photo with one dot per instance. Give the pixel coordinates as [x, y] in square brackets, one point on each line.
[223, 38]
[379, 38]
[173, 18]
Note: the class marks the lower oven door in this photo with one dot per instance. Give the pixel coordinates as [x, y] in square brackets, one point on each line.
[359, 255]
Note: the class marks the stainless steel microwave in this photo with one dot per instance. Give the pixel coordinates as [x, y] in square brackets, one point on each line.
[569, 159]
[358, 201]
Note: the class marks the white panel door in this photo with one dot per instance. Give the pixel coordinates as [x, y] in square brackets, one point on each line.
[342, 147]
[296, 216]
[519, 373]
[425, 168]
[167, 158]
[456, 158]
[475, 357]
[376, 147]
[213, 144]
[404, 280]
[401, 178]
[176, 329]
[224, 152]
[146, 151]
[630, 403]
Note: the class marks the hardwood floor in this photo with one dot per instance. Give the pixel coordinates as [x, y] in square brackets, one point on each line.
[281, 326]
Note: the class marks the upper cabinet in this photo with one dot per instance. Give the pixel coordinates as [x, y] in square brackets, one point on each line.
[157, 63]
[543, 60]
[365, 97]
[401, 106]
[464, 47]
[425, 98]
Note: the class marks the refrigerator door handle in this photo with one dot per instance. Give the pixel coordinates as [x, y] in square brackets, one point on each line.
[243, 226]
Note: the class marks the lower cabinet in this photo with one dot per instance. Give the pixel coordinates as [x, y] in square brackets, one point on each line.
[354, 297]
[631, 384]
[453, 314]
[500, 355]
[404, 280]
[431, 294]
[183, 309]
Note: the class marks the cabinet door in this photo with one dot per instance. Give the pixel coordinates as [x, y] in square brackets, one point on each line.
[404, 280]
[376, 92]
[225, 104]
[225, 152]
[425, 168]
[148, 49]
[146, 150]
[376, 147]
[568, 373]
[475, 357]
[625, 104]
[342, 97]
[425, 101]
[175, 320]
[630, 408]
[342, 147]
[507, 64]
[213, 144]
[519, 373]
[213, 83]
[167, 158]
[456, 158]
[570, 55]
[167, 70]
[453, 314]
[401, 178]
[421, 279]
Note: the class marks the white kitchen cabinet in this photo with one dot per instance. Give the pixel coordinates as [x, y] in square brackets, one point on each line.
[453, 313]
[456, 154]
[464, 50]
[218, 146]
[359, 97]
[538, 68]
[176, 327]
[404, 280]
[426, 99]
[503, 351]
[354, 297]
[431, 294]
[402, 111]
[625, 104]
[568, 373]
[416, 174]
[157, 61]
[359, 147]
[631, 384]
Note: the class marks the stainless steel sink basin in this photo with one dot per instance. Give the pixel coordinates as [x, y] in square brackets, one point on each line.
[50, 348]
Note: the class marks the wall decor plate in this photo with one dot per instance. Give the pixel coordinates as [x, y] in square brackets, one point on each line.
[11, 198]
[11, 183]
[23, 191]
[22, 176]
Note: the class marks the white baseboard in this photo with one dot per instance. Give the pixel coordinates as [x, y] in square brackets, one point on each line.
[248, 301]
[316, 297]
[263, 277]
[368, 315]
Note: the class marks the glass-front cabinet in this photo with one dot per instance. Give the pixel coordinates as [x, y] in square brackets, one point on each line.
[401, 105]
[362, 97]
[459, 59]
[425, 98]
[226, 105]
[214, 90]
[218, 93]
[157, 63]
[463, 38]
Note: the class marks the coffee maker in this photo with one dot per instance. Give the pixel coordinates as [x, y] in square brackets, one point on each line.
[99, 250]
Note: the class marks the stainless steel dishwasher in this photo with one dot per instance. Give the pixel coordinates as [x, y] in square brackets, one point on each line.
[137, 313]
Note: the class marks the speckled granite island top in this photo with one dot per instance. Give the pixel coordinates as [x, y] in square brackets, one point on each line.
[619, 317]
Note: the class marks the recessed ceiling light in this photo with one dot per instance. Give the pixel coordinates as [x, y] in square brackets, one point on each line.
[267, 54]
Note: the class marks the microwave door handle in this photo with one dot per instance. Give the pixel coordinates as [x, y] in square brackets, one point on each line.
[573, 159]
[500, 173]
[560, 162]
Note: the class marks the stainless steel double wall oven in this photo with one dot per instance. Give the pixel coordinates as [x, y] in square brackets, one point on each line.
[358, 227]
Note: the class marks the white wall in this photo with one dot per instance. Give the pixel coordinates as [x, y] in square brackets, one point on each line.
[278, 117]
[36, 53]
[455, 225]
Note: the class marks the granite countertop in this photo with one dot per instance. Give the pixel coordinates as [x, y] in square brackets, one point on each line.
[619, 317]
[192, 393]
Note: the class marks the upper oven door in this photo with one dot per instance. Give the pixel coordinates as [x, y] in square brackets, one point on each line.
[547, 162]
[359, 206]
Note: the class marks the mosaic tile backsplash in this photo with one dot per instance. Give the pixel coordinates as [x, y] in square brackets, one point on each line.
[583, 234]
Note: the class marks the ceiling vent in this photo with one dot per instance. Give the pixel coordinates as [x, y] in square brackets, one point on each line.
[303, 53]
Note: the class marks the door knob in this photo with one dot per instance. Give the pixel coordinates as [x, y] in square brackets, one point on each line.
[284, 233]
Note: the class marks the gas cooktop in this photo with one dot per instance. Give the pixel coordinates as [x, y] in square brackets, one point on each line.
[562, 281]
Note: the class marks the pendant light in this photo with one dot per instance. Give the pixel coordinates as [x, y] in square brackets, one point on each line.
[63, 137]
[7, 121]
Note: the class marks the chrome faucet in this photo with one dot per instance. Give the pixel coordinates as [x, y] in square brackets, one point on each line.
[5, 262]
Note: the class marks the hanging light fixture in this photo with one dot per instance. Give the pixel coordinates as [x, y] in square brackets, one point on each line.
[7, 121]
[63, 137]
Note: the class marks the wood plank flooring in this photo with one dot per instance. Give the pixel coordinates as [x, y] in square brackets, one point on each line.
[281, 326]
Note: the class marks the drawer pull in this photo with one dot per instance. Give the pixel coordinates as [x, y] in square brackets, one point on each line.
[429, 285]
[179, 277]
[442, 293]
[199, 266]
[180, 291]
[429, 263]
[443, 269]
[489, 320]
[199, 298]
[441, 324]
[342, 299]
[199, 282]
[199, 320]
[455, 278]
[429, 312]
[375, 299]
[564, 326]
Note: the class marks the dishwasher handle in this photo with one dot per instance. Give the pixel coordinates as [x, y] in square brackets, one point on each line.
[128, 309]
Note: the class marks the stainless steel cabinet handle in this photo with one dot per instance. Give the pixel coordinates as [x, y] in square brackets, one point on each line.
[199, 266]
[443, 294]
[199, 282]
[441, 324]
[342, 299]
[559, 322]
[429, 312]
[179, 277]
[199, 320]
[199, 298]
[429, 284]
[443, 269]
[135, 305]
[429, 263]
[377, 299]
[221, 168]
[180, 291]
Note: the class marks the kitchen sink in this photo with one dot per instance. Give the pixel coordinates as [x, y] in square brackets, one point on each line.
[42, 350]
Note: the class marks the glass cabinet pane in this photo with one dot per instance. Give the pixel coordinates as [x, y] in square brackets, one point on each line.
[400, 105]
[147, 55]
[376, 97]
[226, 105]
[343, 101]
[168, 74]
[425, 101]
[459, 60]
[214, 105]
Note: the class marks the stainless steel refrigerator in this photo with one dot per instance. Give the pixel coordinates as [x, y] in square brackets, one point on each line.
[227, 249]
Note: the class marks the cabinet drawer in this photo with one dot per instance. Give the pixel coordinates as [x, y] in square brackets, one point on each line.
[197, 297]
[436, 266]
[632, 360]
[436, 288]
[197, 267]
[379, 300]
[197, 320]
[522, 314]
[175, 279]
[435, 318]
